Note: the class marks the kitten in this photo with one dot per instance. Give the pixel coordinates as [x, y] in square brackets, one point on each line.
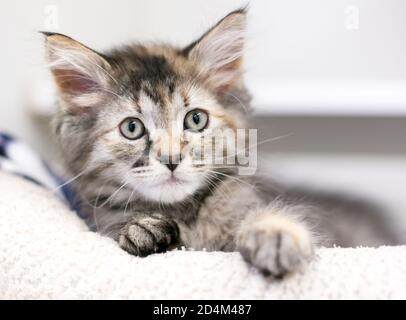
[119, 115]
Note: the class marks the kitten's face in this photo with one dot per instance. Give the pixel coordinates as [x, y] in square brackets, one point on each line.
[153, 145]
[141, 117]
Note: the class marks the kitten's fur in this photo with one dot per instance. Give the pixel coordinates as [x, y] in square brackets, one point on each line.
[123, 185]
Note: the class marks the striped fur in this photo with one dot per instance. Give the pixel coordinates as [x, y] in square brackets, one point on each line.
[124, 185]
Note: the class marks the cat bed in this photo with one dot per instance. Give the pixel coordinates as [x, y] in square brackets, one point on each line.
[47, 252]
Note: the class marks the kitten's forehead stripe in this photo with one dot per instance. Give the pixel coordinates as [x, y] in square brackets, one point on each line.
[185, 97]
[147, 70]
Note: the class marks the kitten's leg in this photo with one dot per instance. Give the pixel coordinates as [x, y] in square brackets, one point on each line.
[145, 234]
[274, 242]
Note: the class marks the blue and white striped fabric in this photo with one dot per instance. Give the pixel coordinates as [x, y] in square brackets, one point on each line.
[18, 158]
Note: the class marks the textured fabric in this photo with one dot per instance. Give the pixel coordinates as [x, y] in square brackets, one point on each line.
[19, 159]
[48, 252]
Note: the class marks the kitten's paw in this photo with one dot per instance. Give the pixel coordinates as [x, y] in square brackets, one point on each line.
[147, 234]
[275, 244]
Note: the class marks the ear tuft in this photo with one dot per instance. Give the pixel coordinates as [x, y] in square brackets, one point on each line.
[77, 70]
[218, 53]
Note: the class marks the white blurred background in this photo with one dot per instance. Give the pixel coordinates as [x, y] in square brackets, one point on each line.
[329, 74]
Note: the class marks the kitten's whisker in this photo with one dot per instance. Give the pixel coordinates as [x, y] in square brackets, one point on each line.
[210, 184]
[136, 170]
[246, 109]
[69, 181]
[95, 208]
[217, 186]
[149, 175]
[141, 168]
[252, 146]
[128, 201]
[223, 182]
[234, 178]
[228, 167]
[114, 193]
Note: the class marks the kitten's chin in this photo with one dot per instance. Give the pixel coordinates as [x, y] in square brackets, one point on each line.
[169, 191]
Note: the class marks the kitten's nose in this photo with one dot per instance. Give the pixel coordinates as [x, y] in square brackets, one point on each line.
[171, 162]
[172, 166]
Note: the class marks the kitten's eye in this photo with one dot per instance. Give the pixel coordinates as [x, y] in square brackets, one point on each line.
[132, 128]
[196, 120]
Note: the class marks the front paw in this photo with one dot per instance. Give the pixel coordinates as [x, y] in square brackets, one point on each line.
[275, 244]
[147, 234]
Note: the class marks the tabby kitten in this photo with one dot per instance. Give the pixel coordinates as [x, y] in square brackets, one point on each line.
[121, 113]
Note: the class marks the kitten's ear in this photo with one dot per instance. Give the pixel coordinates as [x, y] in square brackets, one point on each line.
[218, 53]
[78, 70]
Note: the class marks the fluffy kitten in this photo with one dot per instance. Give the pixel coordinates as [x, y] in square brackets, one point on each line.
[119, 114]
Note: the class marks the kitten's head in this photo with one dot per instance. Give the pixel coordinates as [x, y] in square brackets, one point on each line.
[133, 116]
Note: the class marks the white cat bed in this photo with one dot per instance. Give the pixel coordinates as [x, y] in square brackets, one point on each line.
[46, 252]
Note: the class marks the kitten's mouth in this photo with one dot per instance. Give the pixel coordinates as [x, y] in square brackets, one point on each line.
[173, 180]
[169, 187]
